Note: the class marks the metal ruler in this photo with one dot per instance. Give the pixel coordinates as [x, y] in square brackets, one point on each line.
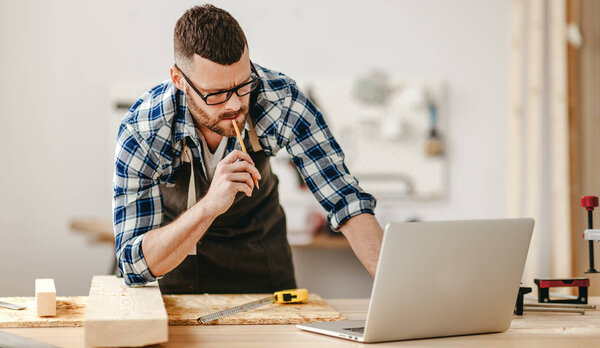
[285, 296]
[230, 311]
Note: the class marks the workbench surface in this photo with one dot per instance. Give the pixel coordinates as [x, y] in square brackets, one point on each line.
[532, 330]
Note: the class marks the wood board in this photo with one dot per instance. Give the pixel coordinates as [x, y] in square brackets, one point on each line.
[181, 309]
[118, 315]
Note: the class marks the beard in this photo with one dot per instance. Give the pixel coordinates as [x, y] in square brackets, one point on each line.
[212, 123]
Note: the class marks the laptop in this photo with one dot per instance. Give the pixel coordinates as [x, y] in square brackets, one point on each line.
[443, 278]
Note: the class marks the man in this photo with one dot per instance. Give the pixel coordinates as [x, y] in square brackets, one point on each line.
[186, 209]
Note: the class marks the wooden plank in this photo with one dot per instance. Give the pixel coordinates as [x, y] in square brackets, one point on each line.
[515, 116]
[45, 297]
[578, 259]
[118, 315]
[181, 309]
[560, 236]
[534, 124]
[590, 118]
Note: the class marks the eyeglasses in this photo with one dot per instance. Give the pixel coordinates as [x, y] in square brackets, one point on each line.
[223, 96]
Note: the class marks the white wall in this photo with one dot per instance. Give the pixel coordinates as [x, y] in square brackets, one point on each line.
[58, 59]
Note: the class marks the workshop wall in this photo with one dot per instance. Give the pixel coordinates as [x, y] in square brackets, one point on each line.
[59, 59]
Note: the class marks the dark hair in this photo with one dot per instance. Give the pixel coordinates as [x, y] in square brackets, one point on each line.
[209, 32]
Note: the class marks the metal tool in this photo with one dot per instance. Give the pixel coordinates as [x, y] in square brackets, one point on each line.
[11, 306]
[8, 340]
[554, 310]
[285, 296]
[589, 203]
[544, 286]
[566, 303]
[560, 305]
[520, 297]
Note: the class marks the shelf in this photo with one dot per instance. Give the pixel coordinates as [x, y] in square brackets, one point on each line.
[101, 231]
[324, 241]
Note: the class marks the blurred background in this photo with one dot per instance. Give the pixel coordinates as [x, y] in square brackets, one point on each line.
[459, 109]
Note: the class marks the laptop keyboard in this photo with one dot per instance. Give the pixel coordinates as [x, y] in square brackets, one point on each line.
[356, 329]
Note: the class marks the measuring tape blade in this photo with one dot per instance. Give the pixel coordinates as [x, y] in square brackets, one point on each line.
[230, 311]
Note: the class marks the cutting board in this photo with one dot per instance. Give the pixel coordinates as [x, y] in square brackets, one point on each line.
[182, 310]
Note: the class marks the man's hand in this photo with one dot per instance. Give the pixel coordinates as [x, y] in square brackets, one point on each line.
[235, 173]
[166, 247]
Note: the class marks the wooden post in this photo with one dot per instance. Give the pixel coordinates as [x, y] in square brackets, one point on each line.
[515, 117]
[118, 315]
[533, 168]
[560, 240]
[590, 113]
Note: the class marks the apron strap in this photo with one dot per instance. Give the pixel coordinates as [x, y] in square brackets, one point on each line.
[253, 138]
[191, 199]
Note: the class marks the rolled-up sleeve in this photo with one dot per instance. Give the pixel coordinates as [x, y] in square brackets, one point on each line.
[320, 160]
[137, 204]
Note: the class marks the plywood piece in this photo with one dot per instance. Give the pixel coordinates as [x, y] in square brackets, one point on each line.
[181, 309]
[45, 297]
[118, 315]
[70, 311]
[185, 309]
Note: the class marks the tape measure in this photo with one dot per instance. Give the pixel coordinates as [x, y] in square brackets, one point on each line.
[284, 296]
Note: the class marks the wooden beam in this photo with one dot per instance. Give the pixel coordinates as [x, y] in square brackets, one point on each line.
[533, 142]
[560, 215]
[574, 82]
[590, 114]
[515, 117]
[45, 297]
[118, 315]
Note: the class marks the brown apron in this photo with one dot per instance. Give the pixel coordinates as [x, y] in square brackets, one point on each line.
[245, 250]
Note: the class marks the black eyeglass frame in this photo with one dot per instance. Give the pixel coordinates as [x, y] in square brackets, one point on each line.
[228, 91]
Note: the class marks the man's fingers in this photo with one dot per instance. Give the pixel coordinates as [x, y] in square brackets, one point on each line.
[237, 155]
[242, 177]
[242, 166]
[242, 187]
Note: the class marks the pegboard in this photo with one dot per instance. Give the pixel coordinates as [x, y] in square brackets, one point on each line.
[385, 143]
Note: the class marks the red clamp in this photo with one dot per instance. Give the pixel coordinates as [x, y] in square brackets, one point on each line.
[589, 202]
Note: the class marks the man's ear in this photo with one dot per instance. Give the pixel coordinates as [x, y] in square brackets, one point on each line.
[177, 78]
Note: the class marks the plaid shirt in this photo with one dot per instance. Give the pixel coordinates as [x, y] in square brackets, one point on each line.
[149, 149]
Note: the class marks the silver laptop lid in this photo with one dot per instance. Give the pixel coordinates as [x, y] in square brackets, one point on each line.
[447, 278]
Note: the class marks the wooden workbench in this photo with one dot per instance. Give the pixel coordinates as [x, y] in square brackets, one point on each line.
[532, 330]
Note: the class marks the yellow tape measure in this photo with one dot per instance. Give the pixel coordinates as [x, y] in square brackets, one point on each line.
[282, 297]
[291, 296]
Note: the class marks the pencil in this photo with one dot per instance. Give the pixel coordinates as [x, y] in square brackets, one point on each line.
[239, 136]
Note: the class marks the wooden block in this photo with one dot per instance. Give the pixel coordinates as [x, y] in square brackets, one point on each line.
[45, 297]
[118, 315]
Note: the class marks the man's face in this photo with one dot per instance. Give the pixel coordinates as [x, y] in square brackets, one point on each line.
[210, 77]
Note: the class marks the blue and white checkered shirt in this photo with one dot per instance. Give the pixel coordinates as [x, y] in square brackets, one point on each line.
[149, 149]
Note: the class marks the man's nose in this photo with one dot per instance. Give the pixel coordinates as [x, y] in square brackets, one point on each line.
[233, 103]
